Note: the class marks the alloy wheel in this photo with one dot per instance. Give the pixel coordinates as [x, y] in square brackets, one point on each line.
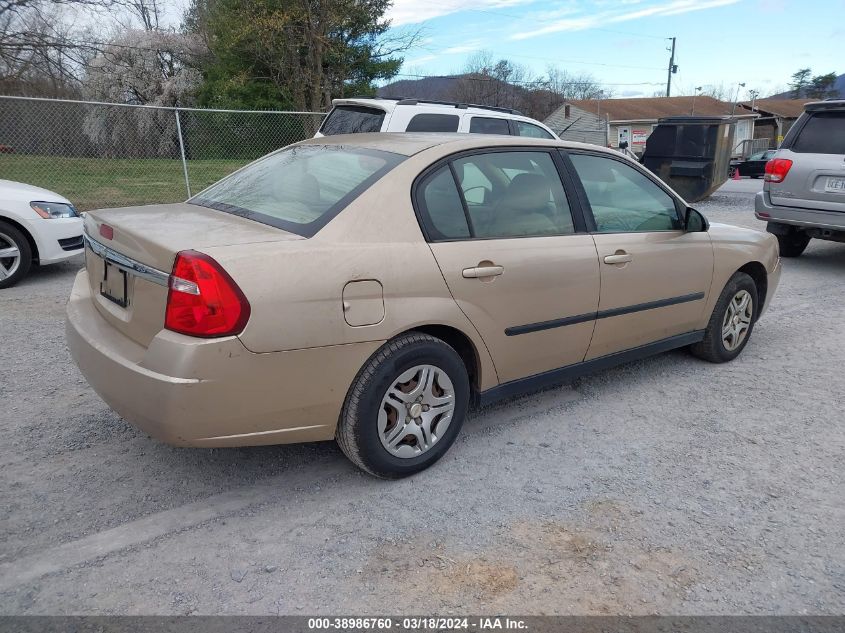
[10, 257]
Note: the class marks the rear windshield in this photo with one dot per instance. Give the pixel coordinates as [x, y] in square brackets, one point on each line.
[823, 133]
[352, 119]
[301, 188]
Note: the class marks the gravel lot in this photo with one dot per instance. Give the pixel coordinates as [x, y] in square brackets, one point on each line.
[664, 486]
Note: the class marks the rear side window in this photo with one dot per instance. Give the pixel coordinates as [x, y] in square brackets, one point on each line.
[352, 120]
[529, 129]
[443, 211]
[823, 133]
[527, 199]
[301, 188]
[433, 123]
[488, 125]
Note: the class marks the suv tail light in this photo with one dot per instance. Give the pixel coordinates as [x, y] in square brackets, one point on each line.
[202, 299]
[776, 169]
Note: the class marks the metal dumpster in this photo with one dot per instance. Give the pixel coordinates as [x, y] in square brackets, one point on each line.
[691, 154]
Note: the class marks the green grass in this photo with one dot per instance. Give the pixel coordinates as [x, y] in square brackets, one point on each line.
[92, 183]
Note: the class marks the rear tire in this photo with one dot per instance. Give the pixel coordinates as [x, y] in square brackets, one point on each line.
[793, 243]
[405, 407]
[731, 323]
[14, 267]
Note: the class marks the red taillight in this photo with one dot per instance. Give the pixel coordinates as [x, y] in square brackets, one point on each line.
[776, 169]
[203, 300]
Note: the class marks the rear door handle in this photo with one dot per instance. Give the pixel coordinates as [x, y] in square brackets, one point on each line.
[618, 258]
[479, 272]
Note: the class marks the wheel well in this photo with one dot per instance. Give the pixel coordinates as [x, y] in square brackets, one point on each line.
[32, 245]
[461, 344]
[757, 272]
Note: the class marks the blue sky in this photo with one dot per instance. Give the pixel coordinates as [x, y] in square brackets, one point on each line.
[621, 42]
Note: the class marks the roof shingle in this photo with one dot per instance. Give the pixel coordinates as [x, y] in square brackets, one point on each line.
[653, 108]
[789, 108]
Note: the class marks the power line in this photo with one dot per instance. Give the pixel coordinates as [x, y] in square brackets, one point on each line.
[528, 83]
[576, 61]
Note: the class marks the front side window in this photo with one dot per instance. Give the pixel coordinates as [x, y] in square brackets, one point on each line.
[529, 129]
[488, 125]
[622, 199]
[513, 194]
[301, 188]
[352, 120]
[434, 123]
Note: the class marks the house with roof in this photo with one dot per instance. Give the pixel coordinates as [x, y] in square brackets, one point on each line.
[610, 122]
[776, 116]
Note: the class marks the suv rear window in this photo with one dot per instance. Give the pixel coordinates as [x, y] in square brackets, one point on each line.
[352, 120]
[823, 133]
[301, 188]
[434, 123]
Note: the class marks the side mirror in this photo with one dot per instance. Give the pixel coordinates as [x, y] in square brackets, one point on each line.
[694, 222]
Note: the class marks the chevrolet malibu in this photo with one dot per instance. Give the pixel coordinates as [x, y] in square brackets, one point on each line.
[371, 288]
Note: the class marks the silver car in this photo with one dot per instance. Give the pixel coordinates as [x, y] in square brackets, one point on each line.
[803, 194]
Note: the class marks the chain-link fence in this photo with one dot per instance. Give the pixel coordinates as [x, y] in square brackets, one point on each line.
[111, 155]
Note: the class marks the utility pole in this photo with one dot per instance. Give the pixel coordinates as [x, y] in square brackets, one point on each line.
[697, 91]
[753, 94]
[736, 98]
[672, 69]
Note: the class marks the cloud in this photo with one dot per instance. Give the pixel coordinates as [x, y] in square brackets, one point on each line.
[420, 60]
[468, 47]
[605, 18]
[414, 11]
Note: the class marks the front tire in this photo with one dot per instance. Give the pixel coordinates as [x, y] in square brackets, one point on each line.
[731, 323]
[15, 255]
[793, 243]
[405, 407]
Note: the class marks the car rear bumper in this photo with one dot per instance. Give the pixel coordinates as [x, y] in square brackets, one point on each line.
[211, 392]
[796, 216]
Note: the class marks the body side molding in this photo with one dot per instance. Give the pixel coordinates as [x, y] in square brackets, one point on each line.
[601, 314]
[571, 372]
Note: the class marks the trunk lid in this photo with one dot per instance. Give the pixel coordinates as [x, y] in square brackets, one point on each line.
[132, 251]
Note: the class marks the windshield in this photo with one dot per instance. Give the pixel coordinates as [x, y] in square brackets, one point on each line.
[301, 188]
[352, 120]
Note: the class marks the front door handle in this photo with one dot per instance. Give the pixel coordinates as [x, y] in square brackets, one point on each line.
[620, 257]
[480, 272]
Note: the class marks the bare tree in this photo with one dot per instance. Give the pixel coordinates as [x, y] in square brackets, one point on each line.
[39, 53]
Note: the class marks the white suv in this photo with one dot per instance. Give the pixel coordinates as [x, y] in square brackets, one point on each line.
[363, 114]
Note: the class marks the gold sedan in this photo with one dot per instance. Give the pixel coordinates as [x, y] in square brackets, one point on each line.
[371, 288]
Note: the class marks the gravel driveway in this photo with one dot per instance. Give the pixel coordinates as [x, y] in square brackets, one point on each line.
[664, 486]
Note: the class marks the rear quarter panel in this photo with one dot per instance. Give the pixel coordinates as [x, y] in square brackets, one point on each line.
[295, 289]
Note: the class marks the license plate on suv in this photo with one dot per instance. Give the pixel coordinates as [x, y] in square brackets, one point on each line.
[113, 285]
[835, 185]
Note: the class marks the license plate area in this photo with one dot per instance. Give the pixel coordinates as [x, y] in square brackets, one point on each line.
[114, 284]
[834, 185]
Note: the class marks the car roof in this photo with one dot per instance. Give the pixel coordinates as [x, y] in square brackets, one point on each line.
[389, 104]
[827, 104]
[409, 143]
